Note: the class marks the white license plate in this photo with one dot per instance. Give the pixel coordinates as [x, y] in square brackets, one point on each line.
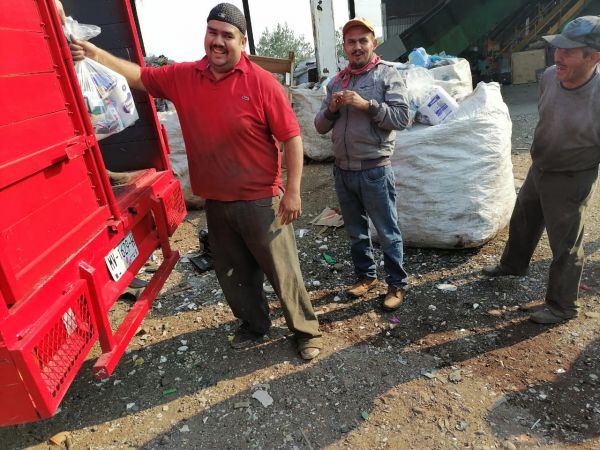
[121, 257]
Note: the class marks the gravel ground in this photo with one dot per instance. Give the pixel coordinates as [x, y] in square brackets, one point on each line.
[452, 369]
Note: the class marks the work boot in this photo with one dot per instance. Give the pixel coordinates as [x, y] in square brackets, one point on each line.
[547, 317]
[498, 271]
[309, 348]
[309, 353]
[393, 298]
[361, 287]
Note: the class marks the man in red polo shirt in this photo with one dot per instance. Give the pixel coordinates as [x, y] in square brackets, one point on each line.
[232, 114]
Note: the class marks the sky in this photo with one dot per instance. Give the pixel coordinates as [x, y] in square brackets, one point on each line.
[175, 28]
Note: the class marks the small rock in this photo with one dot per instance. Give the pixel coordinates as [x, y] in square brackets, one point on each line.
[184, 429]
[592, 315]
[507, 445]
[455, 376]
[428, 373]
[461, 426]
[59, 438]
[446, 287]
[244, 404]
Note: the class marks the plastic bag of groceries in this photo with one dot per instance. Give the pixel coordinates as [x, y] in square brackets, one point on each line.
[106, 93]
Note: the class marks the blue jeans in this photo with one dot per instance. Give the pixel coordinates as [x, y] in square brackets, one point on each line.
[371, 193]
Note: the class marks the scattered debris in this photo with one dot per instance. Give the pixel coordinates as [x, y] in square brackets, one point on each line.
[263, 397]
[446, 287]
[60, 438]
[455, 377]
[329, 259]
[329, 218]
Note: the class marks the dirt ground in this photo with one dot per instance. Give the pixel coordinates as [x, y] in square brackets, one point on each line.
[449, 370]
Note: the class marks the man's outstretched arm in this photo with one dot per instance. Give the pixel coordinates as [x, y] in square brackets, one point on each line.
[131, 71]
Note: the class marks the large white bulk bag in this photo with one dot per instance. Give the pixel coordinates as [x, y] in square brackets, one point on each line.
[454, 180]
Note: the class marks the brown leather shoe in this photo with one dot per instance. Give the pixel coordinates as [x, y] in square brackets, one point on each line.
[393, 298]
[309, 353]
[361, 287]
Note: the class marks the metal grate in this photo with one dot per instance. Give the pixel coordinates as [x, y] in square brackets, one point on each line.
[59, 349]
[174, 208]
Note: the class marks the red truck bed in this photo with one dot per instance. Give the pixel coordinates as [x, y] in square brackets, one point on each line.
[60, 219]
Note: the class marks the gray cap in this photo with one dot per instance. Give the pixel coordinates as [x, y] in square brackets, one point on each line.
[226, 12]
[581, 32]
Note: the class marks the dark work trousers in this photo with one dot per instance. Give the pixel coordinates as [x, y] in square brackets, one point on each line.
[556, 201]
[248, 242]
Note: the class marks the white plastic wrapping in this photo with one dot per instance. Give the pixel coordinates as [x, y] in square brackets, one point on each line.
[454, 181]
[437, 107]
[106, 93]
[306, 103]
[422, 84]
[454, 78]
[107, 97]
[178, 157]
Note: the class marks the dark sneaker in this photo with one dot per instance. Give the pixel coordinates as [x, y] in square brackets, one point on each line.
[244, 338]
[393, 298]
[498, 271]
[546, 317]
[361, 287]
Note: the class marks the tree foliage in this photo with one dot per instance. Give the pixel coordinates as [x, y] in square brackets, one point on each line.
[282, 40]
[339, 44]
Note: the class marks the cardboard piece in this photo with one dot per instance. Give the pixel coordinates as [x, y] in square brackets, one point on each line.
[329, 217]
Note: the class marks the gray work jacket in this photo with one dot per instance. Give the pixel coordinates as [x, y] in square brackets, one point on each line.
[362, 136]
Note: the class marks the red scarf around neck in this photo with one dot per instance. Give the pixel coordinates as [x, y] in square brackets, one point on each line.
[345, 74]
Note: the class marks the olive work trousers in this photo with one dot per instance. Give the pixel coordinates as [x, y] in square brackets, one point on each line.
[248, 242]
[556, 201]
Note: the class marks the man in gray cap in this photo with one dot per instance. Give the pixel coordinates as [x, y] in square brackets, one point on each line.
[565, 156]
[233, 114]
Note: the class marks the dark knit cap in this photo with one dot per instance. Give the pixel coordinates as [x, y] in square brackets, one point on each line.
[226, 12]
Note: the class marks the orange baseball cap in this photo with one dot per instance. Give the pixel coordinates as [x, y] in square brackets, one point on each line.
[358, 22]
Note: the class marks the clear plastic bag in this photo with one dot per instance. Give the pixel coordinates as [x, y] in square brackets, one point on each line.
[106, 94]
[81, 31]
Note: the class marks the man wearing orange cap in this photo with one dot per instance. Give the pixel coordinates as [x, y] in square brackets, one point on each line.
[365, 104]
[565, 156]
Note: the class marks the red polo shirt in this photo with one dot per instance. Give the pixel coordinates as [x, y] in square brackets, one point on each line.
[229, 126]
